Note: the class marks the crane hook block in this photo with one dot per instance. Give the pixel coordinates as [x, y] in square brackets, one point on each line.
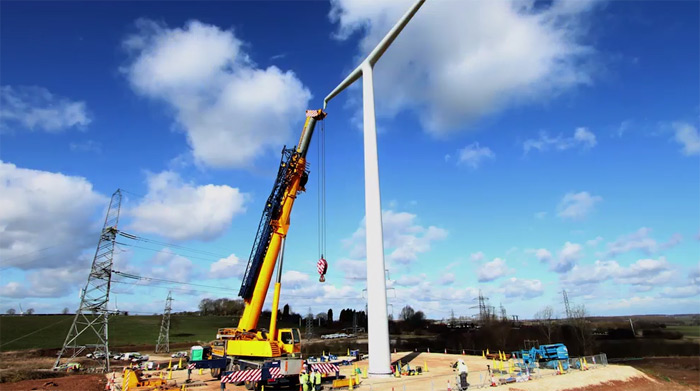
[322, 267]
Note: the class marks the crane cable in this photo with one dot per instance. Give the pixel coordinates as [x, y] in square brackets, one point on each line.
[321, 147]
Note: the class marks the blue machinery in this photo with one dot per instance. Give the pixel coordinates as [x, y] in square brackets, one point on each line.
[550, 355]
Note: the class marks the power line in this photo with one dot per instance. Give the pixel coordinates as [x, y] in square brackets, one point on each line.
[154, 241]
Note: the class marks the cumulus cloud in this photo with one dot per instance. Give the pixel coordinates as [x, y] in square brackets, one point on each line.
[47, 219]
[37, 109]
[48, 282]
[402, 236]
[178, 210]
[175, 266]
[294, 279]
[352, 268]
[638, 240]
[230, 109]
[477, 256]
[582, 138]
[493, 270]
[565, 260]
[576, 206]
[473, 155]
[568, 256]
[523, 288]
[644, 273]
[515, 54]
[688, 137]
[230, 266]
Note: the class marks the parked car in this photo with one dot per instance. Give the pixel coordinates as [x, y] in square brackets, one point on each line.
[96, 356]
[117, 356]
[179, 354]
[128, 356]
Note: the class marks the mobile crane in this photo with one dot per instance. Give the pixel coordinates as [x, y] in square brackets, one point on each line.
[247, 346]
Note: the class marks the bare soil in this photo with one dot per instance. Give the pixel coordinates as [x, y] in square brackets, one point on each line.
[67, 383]
[682, 370]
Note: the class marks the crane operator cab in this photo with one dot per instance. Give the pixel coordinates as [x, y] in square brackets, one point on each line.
[289, 340]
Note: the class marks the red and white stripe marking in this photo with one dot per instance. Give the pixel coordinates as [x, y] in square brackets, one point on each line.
[325, 367]
[191, 366]
[249, 375]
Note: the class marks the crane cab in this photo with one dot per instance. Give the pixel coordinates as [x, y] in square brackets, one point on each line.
[289, 340]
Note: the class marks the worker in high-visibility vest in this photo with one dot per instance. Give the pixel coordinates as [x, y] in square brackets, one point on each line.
[462, 369]
[304, 380]
[317, 380]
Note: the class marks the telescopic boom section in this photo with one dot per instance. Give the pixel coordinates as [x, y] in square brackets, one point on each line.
[274, 225]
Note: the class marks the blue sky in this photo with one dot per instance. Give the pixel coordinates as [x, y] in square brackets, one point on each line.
[524, 148]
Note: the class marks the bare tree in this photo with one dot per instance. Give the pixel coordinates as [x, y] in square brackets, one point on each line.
[66, 311]
[582, 328]
[11, 311]
[546, 321]
[29, 311]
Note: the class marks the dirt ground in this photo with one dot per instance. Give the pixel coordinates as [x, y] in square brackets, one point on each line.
[68, 383]
[439, 373]
[683, 370]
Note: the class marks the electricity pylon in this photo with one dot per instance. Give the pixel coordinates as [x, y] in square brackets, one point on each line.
[91, 318]
[163, 345]
[566, 305]
[309, 324]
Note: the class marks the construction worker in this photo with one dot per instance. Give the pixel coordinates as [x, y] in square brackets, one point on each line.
[304, 380]
[317, 380]
[462, 369]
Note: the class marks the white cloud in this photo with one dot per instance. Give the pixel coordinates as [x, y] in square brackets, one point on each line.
[515, 54]
[688, 137]
[594, 242]
[48, 282]
[294, 279]
[523, 288]
[543, 255]
[446, 279]
[402, 236]
[585, 137]
[411, 280]
[493, 270]
[230, 266]
[175, 266]
[582, 138]
[182, 211]
[473, 155]
[681, 291]
[644, 273]
[47, 219]
[576, 206]
[638, 240]
[568, 256]
[35, 108]
[353, 269]
[230, 109]
[477, 256]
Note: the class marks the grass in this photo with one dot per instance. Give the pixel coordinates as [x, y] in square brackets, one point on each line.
[49, 331]
[688, 331]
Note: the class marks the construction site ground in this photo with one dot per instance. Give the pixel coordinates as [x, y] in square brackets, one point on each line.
[611, 377]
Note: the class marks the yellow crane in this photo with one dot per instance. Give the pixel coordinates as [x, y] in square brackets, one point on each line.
[247, 346]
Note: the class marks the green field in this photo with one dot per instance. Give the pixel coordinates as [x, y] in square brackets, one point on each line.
[49, 331]
[688, 331]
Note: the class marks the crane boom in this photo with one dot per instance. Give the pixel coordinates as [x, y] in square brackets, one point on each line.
[274, 225]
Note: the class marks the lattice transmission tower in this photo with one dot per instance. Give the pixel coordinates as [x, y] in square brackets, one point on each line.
[163, 345]
[89, 329]
[309, 324]
[566, 305]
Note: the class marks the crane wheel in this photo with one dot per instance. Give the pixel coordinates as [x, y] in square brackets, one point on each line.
[250, 385]
[216, 373]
